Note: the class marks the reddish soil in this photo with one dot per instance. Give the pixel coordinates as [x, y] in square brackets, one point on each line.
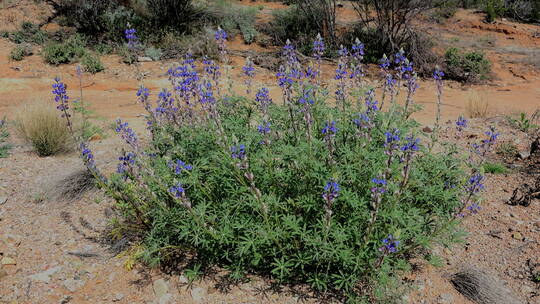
[35, 230]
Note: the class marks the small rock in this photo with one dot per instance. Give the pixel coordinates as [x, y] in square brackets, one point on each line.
[427, 129]
[45, 276]
[527, 290]
[183, 280]
[144, 59]
[8, 261]
[199, 294]
[524, 154]
[73, 285]
[66, 299]
[95, 137]
[3, 200]
[445, 298]
[160, 288]
[3, 274]
[517, 236]
[166, 299]
[118, 297]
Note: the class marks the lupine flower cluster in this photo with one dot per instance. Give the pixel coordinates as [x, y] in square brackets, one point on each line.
[390, 245]
[238, 152]
[179, 166]
[61, 98]
[131, 37]
[379, 185]
[461, 124]
[330, 194]
[249, 72]
[127, 133]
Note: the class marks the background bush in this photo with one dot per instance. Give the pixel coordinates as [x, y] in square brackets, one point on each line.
[71, 50]
[466, 66]
[20, 51]
[91, 63]
[38, 123]
[4, 135]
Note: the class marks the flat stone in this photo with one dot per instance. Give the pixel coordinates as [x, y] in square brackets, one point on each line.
[199, 294]
[161, 287]
[517, 236]
[8, 261]
[3, 200]
[183, 280]
[73, 285]
[45, 276]
[144, 59]
[166, 299]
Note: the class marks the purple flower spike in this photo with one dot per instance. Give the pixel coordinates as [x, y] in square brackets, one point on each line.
[330, 129]
[331, 191]
[380, 185]
[238, 152]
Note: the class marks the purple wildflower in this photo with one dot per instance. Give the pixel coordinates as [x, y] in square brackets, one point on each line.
[391, 140]
[318, 47]
[238, 152]
[410, 145]
[390, 245]
[179, 166]
[331, 191]
[131, 37]
[380, 185]
[264, 128]
[474, 185]
[461, 123]
[126, 133]
[177, 190]
[474, 208]
[438, 74]
[330, 129]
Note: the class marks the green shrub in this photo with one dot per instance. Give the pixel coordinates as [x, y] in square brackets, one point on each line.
[29, 33]
[103, 49]
[126, 55]
[494, 9]
[20, 51]
[4, 135]
[66, 52]
[38, 123]
[293, 24]
[91, 63]
[199, 44]
[495, 168]
[153, 53]
[233, 19]
[524, 122]
[466, 66]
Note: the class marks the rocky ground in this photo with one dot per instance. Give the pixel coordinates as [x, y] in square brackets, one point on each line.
[51, 245]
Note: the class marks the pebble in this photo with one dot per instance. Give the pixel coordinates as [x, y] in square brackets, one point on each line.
[160, 288]
[517, 236]
[445, 298]
[3, 274]
[144, 59]
[118, 297]
[3, 200]
[199, 294]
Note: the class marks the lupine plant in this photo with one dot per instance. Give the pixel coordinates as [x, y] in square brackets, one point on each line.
[304, 189]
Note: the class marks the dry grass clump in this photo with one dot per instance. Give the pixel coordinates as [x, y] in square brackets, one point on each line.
[40, 124]
[482, 288]
[477, 105]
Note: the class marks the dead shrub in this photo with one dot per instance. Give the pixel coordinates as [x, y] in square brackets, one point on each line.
[39, 124]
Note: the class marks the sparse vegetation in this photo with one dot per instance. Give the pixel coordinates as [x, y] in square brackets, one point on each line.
[29, 33]
[507, 150]
[495, 168]
[4, 135]
[525, 123]
[153, 53]
[39, 124]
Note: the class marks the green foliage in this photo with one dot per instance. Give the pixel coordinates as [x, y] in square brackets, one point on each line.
[293, 24]
[233, 19]
[91, 63]
[29, 33]
[466, 66]
[126, 55]
[495, 168]
[153, 53]
[103, 49]
[536, 278]
[68, 51]
[507, 150]
[20, 51]
[524, 123]
[266, 215]
[4, 135]
[494, 9]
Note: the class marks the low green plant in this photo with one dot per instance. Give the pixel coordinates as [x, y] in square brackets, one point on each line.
[495, 168]
[234, 19]
[466, 66]
[20, 51]
[494, 9]
[29, 33]
[38, 123]
[523, 122]
[91, 63]
[4, 135]
[153, 53]
[71, 50]
[126, 55]
[103, 48]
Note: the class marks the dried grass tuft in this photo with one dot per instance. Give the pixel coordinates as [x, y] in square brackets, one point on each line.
[482, 288]
[477, 105]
